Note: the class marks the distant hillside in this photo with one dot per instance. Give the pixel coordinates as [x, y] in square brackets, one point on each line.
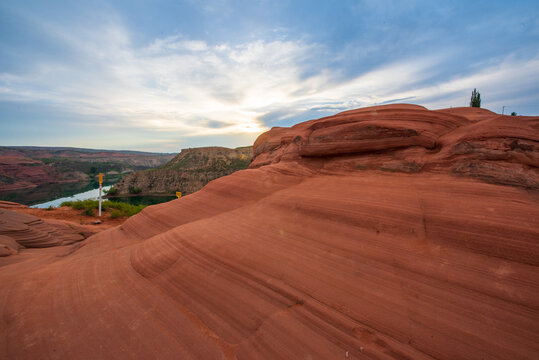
[23, 167]
[79, 150]
[188, 172]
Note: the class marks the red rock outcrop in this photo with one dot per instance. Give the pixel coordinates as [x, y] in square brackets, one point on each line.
[382, 233]
[19, 230]
[409, 138]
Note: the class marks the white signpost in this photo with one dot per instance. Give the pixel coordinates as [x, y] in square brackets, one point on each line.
[100, 183]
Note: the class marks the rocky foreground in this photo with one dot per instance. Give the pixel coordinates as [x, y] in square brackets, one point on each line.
[390, 232]
[23, 228]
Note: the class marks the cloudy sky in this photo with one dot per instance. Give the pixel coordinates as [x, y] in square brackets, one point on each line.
[164, 75]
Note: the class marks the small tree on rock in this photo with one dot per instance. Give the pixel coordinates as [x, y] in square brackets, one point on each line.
[513, 114]
[475, 101]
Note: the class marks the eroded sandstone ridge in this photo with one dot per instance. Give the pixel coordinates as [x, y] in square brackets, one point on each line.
[19, 231]
[382, 233]
[470, 142]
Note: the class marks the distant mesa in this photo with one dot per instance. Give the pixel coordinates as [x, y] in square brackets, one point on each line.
[389, 232]
[187, 172]
[26, 167]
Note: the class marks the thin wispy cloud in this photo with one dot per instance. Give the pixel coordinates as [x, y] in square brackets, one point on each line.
[172, 84]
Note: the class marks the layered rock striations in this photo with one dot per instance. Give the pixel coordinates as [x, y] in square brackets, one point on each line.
[18, 172]
[26, 167]
[188, 172]
[19, 231]
[366, 235]
[466, 142]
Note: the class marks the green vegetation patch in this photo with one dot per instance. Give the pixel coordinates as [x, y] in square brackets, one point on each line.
[120, 208]
[111, 191]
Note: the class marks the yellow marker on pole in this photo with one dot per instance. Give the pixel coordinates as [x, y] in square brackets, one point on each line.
[178, 194]
[100, 183]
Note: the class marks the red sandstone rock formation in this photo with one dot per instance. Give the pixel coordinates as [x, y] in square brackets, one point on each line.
[382, 233]
[18, 231]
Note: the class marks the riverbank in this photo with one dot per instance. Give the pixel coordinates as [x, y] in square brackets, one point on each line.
[110, 197]
[90, 194]
[143, 198]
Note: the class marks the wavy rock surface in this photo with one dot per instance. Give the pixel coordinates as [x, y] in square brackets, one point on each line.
[19, 231]
[350, 237]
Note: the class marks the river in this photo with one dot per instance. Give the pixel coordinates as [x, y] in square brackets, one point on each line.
[54, 194]
[94, 195]
[90, 194]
